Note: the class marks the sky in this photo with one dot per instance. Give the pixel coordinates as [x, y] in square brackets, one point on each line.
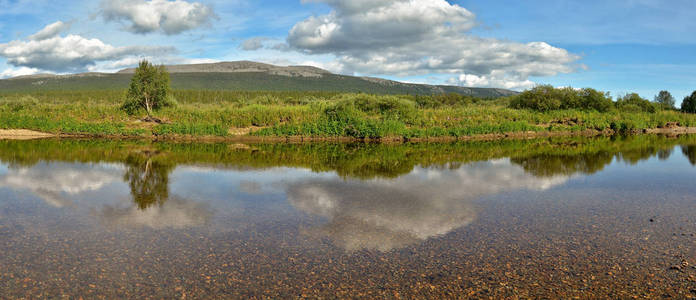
[641, 46]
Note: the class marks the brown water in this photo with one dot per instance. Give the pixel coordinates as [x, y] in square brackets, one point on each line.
[590, 218]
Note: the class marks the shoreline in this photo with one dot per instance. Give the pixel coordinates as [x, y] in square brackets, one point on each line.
[25, 134]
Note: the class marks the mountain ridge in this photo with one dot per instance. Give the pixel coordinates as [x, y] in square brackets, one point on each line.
[245, 75]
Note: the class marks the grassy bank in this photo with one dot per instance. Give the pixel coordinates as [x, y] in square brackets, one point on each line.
[311, 114]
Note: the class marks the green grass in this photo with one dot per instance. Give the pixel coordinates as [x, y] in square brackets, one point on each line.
[309, 114]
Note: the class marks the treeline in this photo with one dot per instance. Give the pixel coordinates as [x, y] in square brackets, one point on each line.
[548, 98]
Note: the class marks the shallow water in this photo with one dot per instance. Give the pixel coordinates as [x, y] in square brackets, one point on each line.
[597, 218]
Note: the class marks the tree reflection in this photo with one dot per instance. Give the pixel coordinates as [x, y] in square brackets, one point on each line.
[546, 165]
[664, 154]
[148, 179]
[690, 153]
[551, 165]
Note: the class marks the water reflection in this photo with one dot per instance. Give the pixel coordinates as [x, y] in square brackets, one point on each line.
[545, 165]
[174, 212]
[388, 214]
[56, 183]
[148, 179]
[370, 196]
[690, 153]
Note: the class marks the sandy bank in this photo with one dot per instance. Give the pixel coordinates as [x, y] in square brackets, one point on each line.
[22, 134]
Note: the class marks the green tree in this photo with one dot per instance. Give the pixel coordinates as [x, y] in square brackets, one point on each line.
[689, 103]
[665, 100]
[149, 89]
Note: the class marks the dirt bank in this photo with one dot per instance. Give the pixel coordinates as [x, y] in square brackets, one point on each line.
[17, 134]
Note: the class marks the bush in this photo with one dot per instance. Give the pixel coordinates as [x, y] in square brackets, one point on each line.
[546, 98]
[595, 100]
[388, 107]
[634, 103]
[540, 98]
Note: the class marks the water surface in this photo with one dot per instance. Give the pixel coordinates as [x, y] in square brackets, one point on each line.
[601, 217]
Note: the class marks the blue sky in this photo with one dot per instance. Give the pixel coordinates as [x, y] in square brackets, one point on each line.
[626, 46]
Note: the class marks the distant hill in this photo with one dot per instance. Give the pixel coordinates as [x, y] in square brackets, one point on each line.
[243, 75]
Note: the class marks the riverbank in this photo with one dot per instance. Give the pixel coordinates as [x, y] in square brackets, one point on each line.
[24, 134]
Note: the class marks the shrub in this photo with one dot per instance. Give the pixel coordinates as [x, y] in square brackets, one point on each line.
[541, 98]
[546, 98]
[388, 107]
[595, 100]
[634, 103]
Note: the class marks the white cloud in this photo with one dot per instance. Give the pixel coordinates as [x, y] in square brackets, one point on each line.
[253, 44]
[130, 62]
[169, 17]
[496, 80]
[417, 37]
[52, 30]
[69, 53]
[23, 71]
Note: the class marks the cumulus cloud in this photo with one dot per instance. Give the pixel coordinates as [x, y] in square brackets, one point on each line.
[23, 71]
[46, 50]
[253, 44]
[389, 214]
[496, 79]
[50, 31]
[416, 37]
[169, 17]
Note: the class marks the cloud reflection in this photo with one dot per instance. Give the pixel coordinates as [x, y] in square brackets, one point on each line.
[65, 185]
[176, 213]
[52, 182]
[389, 214]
